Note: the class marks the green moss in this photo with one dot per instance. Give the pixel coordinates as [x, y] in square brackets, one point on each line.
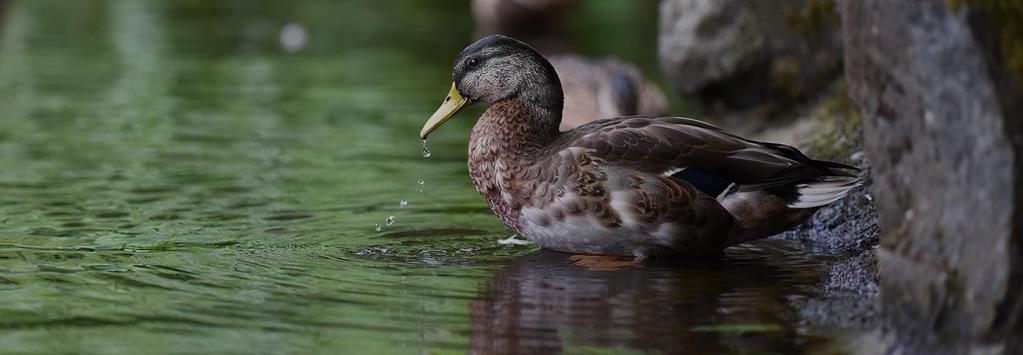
[839, 135]
[1009, 16]
[813, 23]
[813, 20]
[786, 78]
[1012, 49]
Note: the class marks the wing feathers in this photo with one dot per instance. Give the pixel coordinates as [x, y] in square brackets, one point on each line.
[656, 145]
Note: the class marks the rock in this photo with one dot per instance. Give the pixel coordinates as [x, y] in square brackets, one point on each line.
[942, 104]
[702, 42]
[844, 234]
[741, 53]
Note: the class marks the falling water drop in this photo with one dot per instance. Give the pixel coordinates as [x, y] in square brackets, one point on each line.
[377, 227]
[390, 220]
[426, 151]
[402, 203]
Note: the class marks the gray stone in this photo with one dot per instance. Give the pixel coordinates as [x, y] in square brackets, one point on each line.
[741, 53]
[706, 41]
[941, 122]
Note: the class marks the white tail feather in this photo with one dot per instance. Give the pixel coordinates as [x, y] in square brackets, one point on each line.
[823, 191]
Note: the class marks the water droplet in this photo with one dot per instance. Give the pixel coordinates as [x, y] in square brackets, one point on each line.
[421, 181]
[426, 151]
[377, 227]
[390, 220]
[402, 203]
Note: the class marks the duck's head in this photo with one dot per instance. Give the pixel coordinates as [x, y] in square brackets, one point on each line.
[497, 68]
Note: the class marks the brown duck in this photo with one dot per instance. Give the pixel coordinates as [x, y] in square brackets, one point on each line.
[596, 88]
[639, 186]
[593, 88]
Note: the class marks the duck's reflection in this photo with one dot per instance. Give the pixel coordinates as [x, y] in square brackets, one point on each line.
[543, 303]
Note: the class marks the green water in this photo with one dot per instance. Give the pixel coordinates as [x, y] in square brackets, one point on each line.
[171, 180]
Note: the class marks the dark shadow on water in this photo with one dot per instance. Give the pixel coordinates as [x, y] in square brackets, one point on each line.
[740, 302]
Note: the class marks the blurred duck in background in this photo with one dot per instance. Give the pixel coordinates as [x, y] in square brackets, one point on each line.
[594, 88]
[604, 88]
[538, 22]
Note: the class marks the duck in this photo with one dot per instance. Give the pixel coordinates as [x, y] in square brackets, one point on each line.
[635, 186]
[607, 87]
[593, 87]
[538, 22]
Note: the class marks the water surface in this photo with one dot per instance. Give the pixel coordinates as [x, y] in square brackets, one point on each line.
[173, 180]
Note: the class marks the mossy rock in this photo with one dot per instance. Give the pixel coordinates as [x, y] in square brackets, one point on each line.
[1008, 15]
[839, 134]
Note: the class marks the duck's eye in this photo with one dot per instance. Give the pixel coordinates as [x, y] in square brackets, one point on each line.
[472, 62]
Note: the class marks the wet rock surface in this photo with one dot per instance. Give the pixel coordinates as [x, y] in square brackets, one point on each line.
[941, 108]
[843, 235]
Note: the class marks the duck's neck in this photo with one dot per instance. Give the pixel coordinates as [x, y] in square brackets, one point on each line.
[507, 139]
[514, 127]
[532, 114]
[544, 101]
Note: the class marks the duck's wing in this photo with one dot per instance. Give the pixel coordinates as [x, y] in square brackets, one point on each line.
[702, 154]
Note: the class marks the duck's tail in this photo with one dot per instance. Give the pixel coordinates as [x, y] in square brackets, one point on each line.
[822, 191]
[762, 212]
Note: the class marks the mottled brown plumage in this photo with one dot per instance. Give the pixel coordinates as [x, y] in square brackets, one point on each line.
[624, 186]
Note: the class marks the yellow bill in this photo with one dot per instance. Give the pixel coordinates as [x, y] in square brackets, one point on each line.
[451, 105]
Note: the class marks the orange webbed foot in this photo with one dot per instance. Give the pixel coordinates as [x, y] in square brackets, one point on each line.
[605, 262]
